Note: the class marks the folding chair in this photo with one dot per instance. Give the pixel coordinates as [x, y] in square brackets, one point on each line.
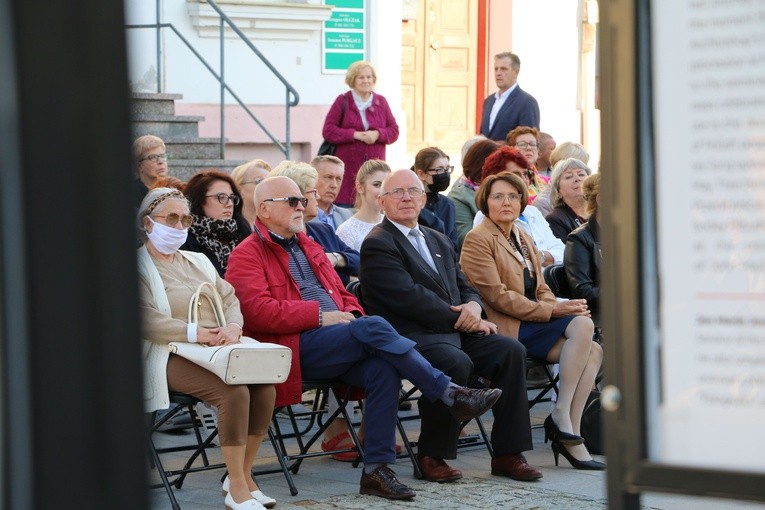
[555, 278]
[175, 477]
[550, 384]
[354, 288]
[318, 417]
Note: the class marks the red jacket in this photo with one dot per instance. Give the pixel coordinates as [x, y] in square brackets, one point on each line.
[273, 310]
[354, 152]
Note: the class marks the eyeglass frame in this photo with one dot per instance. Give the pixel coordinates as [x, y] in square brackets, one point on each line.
[180, 217]
[413, 191]
[440, 170]
[513, 197]
[526, 145]
[224, 199]
[291, 201]
[154, 158]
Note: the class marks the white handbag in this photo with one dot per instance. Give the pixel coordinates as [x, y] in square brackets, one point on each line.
[248, 362]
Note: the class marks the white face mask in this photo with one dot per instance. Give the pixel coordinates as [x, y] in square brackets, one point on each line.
[166, 239]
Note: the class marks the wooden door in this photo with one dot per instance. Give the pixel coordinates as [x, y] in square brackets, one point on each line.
[439, 53]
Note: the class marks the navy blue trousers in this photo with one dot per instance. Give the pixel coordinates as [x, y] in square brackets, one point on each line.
[360, 354]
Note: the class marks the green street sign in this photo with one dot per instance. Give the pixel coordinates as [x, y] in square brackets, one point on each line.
[341, 61]
[345, 20]
[346, 4]
[343, 41]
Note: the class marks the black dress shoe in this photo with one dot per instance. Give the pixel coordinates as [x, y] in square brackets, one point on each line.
[469, 403]
[383, 482]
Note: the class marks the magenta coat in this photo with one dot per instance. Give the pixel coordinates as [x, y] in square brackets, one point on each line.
[353, 152]
[270, 301]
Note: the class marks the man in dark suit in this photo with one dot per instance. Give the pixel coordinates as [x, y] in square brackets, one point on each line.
[510, 106]
[411, 277]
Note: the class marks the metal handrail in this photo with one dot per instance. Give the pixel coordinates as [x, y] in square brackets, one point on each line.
[292, 96]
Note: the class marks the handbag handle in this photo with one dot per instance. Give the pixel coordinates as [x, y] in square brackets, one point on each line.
[208, 291]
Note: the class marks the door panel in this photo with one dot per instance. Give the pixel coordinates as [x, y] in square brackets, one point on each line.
[439, 73]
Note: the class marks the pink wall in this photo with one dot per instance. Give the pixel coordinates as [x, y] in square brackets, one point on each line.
[245, 140]
[500, 27]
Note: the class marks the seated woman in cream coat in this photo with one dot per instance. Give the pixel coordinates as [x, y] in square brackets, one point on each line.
[168, 278]
[502, 263]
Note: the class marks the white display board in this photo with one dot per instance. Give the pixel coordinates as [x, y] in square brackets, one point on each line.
[708, 65]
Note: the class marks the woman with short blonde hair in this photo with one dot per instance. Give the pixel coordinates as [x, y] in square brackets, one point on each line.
[360, 124]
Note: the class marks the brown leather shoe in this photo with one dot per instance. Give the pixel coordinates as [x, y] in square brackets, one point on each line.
[469, 403]
[383, 482]
[515, 467]
[437, 470]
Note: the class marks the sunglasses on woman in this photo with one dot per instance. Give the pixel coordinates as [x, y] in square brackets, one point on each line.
[172, 219]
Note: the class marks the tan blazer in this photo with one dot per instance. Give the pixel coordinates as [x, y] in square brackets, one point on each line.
[494, 268]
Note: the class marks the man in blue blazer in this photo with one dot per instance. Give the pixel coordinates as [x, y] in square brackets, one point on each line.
[510, 106]
[330, 170]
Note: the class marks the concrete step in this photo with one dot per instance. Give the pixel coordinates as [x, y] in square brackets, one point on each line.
[166, 126]
[185, 168]
[153, 104]
[154, 114]
[193, 148]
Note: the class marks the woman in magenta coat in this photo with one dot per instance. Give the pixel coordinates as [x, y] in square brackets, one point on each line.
[360, 124]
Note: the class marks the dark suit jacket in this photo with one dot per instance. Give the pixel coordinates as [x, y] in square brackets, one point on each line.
[439, 214]
[399, 285]
[520, 109]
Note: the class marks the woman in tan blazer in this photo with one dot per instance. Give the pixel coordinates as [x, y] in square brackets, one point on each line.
[501, 261]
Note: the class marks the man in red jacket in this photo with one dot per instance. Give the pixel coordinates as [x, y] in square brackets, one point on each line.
[290, 294]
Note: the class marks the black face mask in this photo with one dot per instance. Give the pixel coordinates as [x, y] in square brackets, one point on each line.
[440, 183]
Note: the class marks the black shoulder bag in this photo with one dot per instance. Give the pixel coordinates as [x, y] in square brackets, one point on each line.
[326, 148]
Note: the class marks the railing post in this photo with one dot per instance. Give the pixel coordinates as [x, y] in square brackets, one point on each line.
[159, 47]
[286, 147]
[287, 144]
[222, 94]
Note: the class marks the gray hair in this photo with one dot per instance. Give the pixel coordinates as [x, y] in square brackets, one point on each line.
[304, 175]
[329, 159]
[557, 173]
[469, 143]
[152, 201]
[515, 61]
[569, 150]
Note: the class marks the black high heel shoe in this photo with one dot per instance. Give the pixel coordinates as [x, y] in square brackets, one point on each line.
[553, 432]
[590, 465]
